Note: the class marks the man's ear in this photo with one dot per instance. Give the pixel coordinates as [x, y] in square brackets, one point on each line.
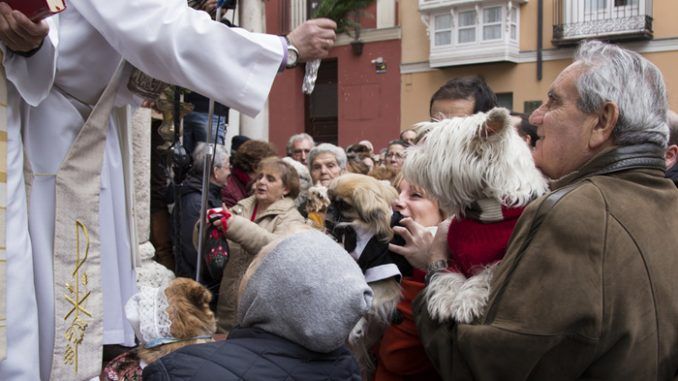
[607, 120]
[671, 156]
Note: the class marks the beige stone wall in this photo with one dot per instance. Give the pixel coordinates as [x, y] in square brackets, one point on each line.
[141, 151]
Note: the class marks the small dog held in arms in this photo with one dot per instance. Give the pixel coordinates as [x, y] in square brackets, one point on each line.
[359, 217]
[482, 173]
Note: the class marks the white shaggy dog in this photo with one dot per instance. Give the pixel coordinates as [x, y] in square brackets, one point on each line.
[482, 172]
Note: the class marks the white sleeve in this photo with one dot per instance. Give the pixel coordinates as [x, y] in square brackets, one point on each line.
[33, 76]
[174, 43]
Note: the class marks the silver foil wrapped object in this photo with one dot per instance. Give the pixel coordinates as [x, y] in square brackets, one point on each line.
[310, 76]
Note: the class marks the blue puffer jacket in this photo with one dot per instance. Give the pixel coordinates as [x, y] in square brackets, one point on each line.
[251, 354]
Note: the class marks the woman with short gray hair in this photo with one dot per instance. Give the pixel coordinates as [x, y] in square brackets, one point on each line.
[325, 162]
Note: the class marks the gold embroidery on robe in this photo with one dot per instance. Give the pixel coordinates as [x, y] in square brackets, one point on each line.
[77, 294]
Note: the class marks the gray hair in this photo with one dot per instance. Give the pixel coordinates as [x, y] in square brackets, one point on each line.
[633, 83]
[220, 155]
[338, 153]
[305, 181]
[296, 138]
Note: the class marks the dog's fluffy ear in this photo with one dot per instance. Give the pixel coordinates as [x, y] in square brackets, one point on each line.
[497, 119]
[189, 309]
[373, 205]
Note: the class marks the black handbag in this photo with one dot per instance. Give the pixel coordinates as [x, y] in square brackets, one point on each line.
[216, 253]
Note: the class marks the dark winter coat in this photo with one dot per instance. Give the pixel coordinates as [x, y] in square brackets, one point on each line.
[251, 354]
[587, 289]
[190, 198]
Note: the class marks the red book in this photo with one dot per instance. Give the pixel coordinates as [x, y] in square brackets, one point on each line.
[37, 10]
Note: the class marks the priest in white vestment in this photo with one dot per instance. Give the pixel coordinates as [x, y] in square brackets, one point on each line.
[50, 95]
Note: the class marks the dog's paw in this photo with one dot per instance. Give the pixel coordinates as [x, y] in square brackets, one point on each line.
[441, 294]
[472, 297]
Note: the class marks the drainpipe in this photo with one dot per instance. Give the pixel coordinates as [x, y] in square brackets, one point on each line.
[540, 37]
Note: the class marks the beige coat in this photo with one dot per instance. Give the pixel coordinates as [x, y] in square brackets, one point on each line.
[246, 238]
[587, 289]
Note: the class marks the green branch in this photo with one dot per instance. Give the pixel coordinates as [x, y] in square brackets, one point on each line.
[339, 10]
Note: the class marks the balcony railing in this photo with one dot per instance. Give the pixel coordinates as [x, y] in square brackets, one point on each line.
[575, 20]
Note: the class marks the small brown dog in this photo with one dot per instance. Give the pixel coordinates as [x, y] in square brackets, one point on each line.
[164, 319]
[190, 315]
[359, 217]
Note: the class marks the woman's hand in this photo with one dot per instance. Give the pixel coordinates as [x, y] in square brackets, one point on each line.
[419, 245]
[219, 217]
[439, 245]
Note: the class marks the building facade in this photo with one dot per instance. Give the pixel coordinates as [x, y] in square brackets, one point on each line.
[357, 94]
[520, 46]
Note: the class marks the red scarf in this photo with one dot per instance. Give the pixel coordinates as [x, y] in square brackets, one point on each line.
[242, 176]
[473, 243]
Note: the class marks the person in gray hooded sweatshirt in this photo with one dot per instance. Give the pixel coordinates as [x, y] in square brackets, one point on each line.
[298, 302]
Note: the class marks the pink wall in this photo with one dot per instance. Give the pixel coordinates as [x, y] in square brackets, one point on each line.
[369, 103]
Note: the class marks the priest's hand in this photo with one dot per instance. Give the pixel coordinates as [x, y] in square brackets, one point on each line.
[314, 38]
[18, 32]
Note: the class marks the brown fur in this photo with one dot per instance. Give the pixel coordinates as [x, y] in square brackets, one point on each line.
[190, 315]
[370, 201]
[370, 206]
[369, 330]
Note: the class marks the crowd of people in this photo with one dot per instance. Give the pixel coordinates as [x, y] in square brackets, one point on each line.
[522, 247]
[569, 246]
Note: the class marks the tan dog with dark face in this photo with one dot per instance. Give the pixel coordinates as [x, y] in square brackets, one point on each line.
[366, 202]
[190, 315]
[360, 218]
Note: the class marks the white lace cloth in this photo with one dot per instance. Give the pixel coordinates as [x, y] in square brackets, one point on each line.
[147, 312]
[151, 273]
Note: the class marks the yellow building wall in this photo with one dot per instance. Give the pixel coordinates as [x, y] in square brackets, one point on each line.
[415, 42]
[520, 79]
[664, 23]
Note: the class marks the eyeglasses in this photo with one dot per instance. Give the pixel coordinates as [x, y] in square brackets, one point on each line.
[300, 150]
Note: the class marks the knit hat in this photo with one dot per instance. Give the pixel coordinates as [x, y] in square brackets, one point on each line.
[237, 141]
[308, 290]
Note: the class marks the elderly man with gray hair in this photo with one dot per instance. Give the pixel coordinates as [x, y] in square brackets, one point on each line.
[587, 288]
[299, 146]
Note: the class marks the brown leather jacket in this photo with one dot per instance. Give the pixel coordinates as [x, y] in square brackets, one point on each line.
[587, 289]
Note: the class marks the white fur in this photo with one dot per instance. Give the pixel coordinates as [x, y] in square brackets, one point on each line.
[451, 296]
[318, 200]
[459, 162]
